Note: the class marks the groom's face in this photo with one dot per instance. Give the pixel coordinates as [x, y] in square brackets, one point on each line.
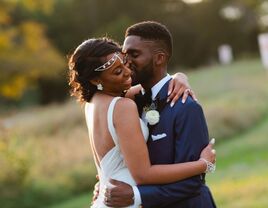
[139, 58]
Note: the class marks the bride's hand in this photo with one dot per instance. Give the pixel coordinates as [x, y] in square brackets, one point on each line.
[179, 86]
[208, 153]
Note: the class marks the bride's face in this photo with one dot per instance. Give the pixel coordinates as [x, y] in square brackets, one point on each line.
[117, 78]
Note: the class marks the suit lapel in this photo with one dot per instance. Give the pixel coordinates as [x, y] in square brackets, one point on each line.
[161, 102]
[161, 98]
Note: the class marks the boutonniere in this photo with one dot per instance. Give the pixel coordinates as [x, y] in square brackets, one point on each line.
[151, 114]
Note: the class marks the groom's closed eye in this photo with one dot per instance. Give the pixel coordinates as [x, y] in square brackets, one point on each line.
[133, 53]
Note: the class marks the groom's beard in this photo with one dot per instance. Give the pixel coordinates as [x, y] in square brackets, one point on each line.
[143, 75]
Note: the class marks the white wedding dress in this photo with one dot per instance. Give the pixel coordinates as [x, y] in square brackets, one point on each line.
[112, 164]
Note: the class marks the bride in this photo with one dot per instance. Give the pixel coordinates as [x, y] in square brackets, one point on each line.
[99, 77]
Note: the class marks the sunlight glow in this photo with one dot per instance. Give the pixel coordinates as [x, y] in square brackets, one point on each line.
[231, 13]
[192, 1]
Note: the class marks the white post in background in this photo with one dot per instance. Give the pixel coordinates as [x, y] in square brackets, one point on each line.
[263, 44]
[225, 54]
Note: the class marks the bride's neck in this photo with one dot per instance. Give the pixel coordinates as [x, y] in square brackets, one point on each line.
[113, 94]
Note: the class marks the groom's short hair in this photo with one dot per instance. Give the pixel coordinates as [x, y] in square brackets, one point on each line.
[151, 30]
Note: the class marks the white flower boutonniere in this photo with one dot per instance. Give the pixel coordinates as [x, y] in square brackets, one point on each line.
[151, 114]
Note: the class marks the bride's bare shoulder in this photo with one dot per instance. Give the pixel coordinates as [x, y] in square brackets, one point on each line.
[125, 112]
[125, 105]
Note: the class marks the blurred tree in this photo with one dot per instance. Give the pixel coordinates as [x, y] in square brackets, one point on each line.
[76, 20]
[26, 54]
[116, 28]
[198, 29]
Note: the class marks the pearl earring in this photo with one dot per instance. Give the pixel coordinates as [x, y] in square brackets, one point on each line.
[99, 86]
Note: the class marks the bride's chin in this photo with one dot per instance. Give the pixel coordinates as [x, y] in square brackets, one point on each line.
[125, 90]
[128, 87]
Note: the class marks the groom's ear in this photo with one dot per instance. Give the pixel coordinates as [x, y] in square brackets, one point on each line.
[160, 58]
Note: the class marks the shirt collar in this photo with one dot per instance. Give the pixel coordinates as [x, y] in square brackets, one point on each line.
[157, 87]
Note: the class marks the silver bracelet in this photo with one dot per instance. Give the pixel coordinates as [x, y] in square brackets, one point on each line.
[210, 166]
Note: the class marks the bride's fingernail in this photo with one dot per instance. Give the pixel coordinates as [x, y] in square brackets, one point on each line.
[172, 104]
[212, 141]
[169, 92]
[168, 100]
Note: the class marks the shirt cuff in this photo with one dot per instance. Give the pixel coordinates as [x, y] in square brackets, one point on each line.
[137, 196]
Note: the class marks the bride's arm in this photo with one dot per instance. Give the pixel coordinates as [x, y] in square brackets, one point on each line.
[135, 152]
[177, 87]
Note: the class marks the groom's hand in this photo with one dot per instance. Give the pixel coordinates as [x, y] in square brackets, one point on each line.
[119, 194]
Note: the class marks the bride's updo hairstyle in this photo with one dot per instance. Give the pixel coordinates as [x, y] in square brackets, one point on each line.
[88, 56]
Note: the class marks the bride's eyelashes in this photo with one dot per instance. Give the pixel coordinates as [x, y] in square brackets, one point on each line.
[118, 71]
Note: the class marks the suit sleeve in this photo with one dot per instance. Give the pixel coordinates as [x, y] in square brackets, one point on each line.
[191, 136]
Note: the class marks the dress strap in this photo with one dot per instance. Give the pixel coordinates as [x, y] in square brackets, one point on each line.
[110, 119]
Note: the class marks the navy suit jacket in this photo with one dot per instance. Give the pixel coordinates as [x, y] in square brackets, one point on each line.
[186, 135]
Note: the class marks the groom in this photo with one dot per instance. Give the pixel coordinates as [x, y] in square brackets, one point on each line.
[178, 137]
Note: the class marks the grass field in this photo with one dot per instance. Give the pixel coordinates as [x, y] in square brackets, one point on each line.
[242, 170]
[82, 201]
[45, 156]
[234, 97]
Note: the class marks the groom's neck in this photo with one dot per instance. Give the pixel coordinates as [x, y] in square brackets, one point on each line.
[155, 79]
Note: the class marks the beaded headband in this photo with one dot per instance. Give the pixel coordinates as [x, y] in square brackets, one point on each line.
[110, 62]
